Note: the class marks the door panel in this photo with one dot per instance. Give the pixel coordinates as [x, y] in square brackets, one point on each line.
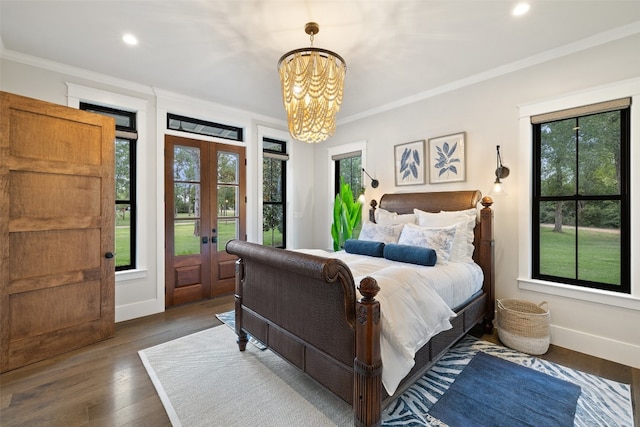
[204, 195]
[228, 214]
[187, 268]
[57, 224]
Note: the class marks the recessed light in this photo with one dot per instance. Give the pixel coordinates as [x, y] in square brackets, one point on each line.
[130, 39]
[521, 9]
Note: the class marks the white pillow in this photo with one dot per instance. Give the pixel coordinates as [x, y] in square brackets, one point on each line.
[383, 216]
[438, 239]
[380, 232]
[465, 221]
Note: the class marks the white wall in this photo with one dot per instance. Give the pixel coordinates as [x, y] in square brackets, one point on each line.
[488, 111]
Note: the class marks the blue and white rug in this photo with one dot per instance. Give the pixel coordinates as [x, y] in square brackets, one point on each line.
[602, 402]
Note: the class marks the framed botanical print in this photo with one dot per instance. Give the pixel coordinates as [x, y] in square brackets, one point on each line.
[447, 160]
[409, 163]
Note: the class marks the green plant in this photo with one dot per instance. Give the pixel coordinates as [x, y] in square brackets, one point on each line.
[347, 214]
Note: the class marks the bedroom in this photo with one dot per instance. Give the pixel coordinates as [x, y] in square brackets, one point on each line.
[485, 106]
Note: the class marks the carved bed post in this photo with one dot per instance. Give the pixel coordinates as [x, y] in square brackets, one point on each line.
[487, 260]
[367, 366]
[242, 336]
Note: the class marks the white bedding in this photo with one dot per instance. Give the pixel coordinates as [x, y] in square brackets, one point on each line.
[416, 303]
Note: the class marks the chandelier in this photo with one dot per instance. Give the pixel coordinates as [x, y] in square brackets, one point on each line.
[312, 85]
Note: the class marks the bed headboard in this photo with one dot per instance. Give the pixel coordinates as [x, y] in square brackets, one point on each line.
[404, 203]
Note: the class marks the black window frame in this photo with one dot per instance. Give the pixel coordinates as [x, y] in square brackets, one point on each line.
[283, 185]
[126, 133]
[239, 132]
[356, 189]
[624, 197]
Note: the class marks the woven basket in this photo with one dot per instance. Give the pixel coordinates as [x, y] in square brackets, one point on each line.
[524, 326]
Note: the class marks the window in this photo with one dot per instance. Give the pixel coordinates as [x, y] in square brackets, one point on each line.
[581, 197]
[274, 192]
[125, 185]
[203, 127]
[348, 167]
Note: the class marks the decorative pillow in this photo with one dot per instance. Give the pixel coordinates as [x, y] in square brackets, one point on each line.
[364, 247]
[380, 233]
[465, 221]
[410, 254]
[384, 217]
[439, 239]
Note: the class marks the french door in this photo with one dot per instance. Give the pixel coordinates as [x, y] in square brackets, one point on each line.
[205, 207]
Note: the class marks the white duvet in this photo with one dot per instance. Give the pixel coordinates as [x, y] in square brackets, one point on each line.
[416, 303]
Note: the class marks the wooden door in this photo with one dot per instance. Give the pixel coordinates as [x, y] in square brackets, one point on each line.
[204, 208]
[57, 229]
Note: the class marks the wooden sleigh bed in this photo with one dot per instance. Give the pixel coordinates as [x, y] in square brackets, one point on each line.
[306, 308]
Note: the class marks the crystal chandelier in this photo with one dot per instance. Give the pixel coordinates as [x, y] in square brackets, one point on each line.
[312, 85]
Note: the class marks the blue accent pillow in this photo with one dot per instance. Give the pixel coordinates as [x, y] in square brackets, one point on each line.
[364, 247]
[410, 254]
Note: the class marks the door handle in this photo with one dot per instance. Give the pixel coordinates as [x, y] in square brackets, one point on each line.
[205, 240]
[109, 255]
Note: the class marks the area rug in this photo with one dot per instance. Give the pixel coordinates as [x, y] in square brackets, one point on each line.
[512, 395]
[203, 380]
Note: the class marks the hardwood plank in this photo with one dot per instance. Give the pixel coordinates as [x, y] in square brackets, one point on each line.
[105, 384]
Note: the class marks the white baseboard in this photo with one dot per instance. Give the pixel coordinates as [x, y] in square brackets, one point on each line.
[602, 347]
[138, 309]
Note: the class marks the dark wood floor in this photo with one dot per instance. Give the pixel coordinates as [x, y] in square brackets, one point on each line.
[106, 384]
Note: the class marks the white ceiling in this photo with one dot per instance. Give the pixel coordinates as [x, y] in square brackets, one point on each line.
[226, 51]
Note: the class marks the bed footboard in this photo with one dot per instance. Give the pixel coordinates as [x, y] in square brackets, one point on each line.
[304, 308]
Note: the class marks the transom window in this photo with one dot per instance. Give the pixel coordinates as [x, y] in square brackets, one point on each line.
[581, 197]
[203, 127]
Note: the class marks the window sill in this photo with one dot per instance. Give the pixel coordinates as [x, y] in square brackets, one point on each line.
[125, 275]
[584, 294]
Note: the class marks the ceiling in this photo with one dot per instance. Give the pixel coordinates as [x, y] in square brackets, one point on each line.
[226, 51]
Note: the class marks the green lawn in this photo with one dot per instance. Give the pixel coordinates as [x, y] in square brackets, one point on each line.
[599, 254]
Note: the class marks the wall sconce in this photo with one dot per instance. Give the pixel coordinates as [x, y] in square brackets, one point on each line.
[501, 173]
[374, 182]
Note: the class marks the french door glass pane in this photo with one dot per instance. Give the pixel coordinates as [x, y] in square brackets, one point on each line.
[227, 167]
[228, 201]
[186, 163]
[228, 229]
[186, 236]
[187, 199]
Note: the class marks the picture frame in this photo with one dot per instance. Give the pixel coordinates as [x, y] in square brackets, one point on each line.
[447, 159]
[409, 163]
